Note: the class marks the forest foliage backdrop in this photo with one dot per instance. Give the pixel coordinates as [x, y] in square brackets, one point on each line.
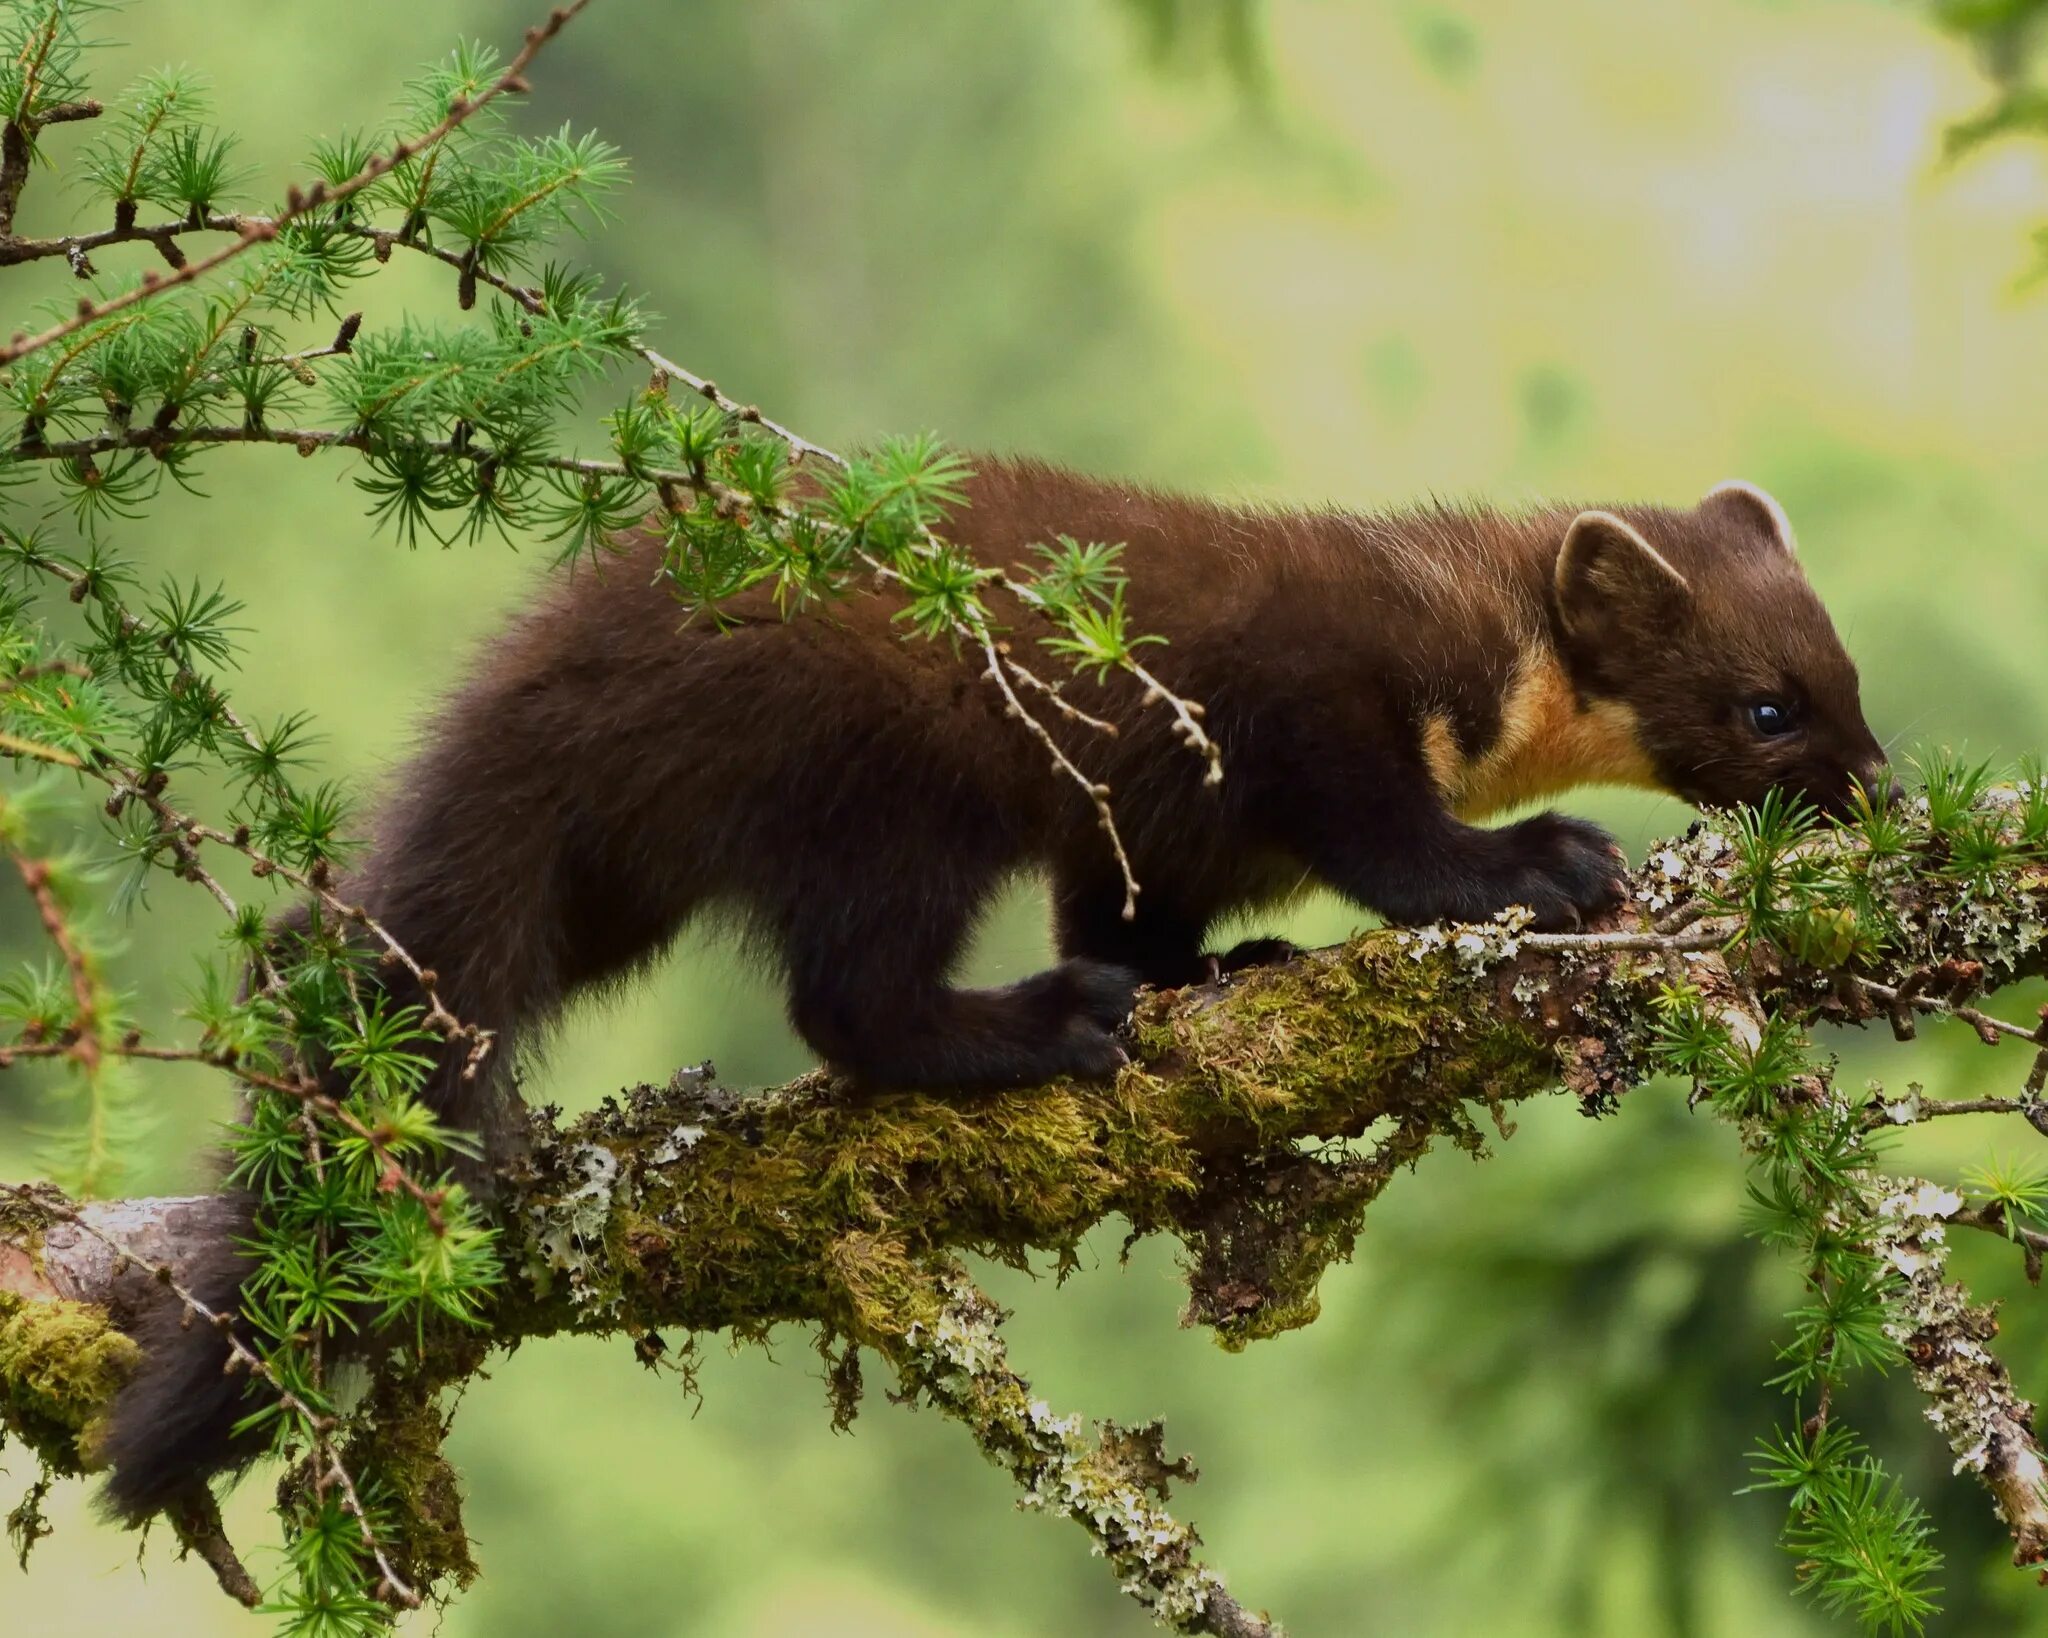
[1592, 249]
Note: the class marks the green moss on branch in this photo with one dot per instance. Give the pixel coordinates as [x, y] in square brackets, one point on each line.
[686, 1207]
[60, 1365]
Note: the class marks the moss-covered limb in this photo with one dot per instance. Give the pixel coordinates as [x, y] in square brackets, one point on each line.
[60, 1362]
[1232, 1129]
[70, 1275]
[687, 1207]
[942, 1338]
[62, 1354]
[1256, 1123]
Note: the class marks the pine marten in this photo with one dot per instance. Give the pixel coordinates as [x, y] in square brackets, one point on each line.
[854, 798]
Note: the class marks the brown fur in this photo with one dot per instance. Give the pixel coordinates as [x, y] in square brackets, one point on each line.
[854, 799]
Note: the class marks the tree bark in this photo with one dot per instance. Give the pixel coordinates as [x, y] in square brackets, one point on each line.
[688, 1208]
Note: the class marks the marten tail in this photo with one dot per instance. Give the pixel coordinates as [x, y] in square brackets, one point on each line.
[516, 872]
[172, 1427]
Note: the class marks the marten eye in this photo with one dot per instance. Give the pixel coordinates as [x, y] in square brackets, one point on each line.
[1770, 718]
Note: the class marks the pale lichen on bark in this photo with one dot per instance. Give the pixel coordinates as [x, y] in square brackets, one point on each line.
[1947, 1340]
[1113, 1485]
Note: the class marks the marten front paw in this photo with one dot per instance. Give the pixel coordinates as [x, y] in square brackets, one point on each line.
[1570, 870]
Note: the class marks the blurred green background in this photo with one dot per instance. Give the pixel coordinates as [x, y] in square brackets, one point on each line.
[1595, 249]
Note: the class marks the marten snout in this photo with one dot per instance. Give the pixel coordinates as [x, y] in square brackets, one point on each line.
[1871, 784]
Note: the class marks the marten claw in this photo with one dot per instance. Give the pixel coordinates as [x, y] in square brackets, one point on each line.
[1251, 952]
[1574, 872]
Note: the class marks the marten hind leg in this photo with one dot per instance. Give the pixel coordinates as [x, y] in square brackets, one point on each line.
[1163, 943]
[868, 991]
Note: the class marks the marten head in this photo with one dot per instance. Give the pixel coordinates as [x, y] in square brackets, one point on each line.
[1703, 626]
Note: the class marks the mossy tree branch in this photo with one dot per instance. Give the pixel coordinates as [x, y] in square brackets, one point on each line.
[1256, 1123]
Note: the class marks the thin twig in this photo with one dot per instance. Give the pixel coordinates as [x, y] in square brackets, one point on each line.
[1622, 939]
[261, 230]
[1926, 1108]
[307, 440]
[84, 1046]
[1993, 1220]
[1051, 691]
[1096, 792]
[14, 745]
[1187, 719]
[745, 412]
[1988, 1027]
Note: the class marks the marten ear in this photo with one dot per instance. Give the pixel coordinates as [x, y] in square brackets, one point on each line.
[1610, 580]
[1758, 507]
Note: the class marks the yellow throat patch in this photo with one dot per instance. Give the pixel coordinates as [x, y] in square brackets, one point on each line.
[1547, 743]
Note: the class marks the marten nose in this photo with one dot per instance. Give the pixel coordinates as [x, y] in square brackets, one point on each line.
[1880, 786]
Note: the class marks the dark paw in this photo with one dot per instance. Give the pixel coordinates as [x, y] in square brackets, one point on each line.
[1088, 1052]
[1102, 992]
[1570, 871]
[1257, 952]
